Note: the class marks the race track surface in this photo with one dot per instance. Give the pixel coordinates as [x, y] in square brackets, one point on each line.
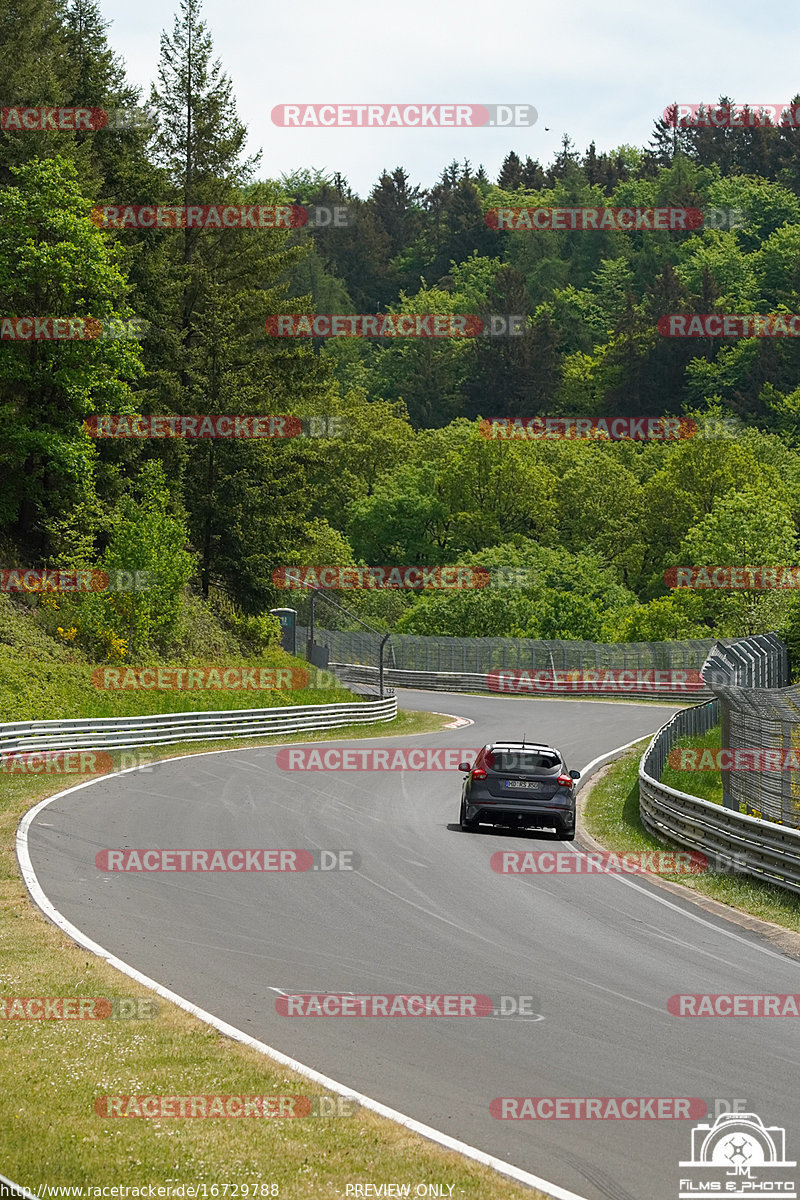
[424, 913]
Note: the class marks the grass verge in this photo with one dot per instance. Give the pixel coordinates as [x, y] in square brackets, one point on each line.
[611, 815]
[52, 1071]
[705, 784]
[35, 691]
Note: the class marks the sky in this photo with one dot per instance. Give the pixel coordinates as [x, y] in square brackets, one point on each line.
[601, 71]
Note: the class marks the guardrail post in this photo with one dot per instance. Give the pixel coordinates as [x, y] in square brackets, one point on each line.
[310, 643]
[725, 741]
[380, 665]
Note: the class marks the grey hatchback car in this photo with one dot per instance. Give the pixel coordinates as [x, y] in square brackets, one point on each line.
[519, 784]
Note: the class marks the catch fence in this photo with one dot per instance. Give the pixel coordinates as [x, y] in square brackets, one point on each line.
[475, 655]
[758, 711]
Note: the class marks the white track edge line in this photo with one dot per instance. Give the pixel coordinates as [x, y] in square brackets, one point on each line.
[434, 1135]
[653, 891]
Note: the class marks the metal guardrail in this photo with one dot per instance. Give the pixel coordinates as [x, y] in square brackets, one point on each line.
[747, 679]
[763, 849]
[126, 732]
[441, 681]
[689, 722]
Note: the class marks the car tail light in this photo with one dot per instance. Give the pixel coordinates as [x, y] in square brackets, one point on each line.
[479, 773]
[565, 781]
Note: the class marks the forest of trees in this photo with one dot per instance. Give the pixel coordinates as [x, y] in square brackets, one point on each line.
[413, 480]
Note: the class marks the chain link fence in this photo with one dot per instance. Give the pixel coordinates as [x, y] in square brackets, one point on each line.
[757, 711]
[473, 655]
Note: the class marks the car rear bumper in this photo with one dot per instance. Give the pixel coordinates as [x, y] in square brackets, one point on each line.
[537, 814]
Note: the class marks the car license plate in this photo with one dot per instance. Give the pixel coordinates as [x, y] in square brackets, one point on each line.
[515, 783]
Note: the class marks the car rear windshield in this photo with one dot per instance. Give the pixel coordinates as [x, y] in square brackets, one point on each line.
[522, 762]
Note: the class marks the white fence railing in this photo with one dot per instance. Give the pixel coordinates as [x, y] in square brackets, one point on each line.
[126, 732]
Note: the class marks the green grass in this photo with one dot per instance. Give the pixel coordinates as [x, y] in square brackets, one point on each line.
[42, 677]
[31, 691]
[705, 784]
[611, 815]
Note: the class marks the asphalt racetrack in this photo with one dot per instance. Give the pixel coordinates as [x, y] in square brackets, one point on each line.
[424, 913]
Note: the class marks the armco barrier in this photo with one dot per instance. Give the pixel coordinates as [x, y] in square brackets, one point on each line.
[126, 732]
[442, 681]
[763, 849]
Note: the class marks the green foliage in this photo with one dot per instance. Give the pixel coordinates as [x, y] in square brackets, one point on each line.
[54, 262]
[747, 528]
[534, 592]
[146, 555]
[258, 631]
[411, 480]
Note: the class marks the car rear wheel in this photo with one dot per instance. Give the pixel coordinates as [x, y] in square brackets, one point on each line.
[471, 826]
[566, 833]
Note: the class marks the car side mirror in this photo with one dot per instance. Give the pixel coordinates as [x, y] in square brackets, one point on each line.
[465, 767]
[575, 774]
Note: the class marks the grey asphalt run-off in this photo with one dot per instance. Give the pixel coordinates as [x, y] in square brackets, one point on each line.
[425, 913]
